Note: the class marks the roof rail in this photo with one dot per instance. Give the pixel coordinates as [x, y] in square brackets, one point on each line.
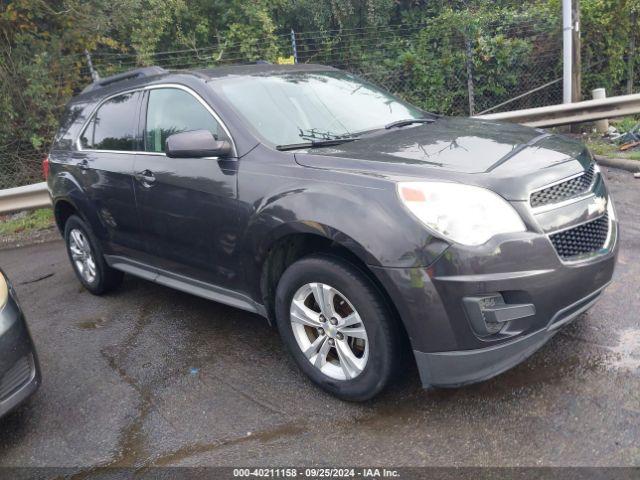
[130, 75]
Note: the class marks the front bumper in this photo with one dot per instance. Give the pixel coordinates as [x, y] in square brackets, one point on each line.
[457, 368]
[525, 269]
[19, 368]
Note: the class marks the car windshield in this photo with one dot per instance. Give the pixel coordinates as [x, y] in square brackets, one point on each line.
[292, 108]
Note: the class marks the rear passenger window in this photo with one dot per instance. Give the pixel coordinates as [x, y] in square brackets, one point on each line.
[170, 111]
[112, 127]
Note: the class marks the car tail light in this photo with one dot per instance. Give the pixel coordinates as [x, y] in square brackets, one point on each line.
[45, 168]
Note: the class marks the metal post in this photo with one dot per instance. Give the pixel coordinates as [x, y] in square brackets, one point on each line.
[294, 47]
[94, 74]
[602, 126]
[632, 52]
[469, 65]
[567, 51]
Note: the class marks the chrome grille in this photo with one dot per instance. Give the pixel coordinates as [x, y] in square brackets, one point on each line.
[16, 376]
[565, 190]
[583, 239]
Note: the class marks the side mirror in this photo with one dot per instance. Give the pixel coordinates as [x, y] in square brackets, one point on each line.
[196, 144]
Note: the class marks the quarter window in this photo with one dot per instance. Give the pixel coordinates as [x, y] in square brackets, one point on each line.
[112, 127]
[86, 139]
[170, 111]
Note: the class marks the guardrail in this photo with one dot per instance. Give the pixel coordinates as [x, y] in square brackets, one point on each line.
[37, 196]
[27, 197]
[568, 113]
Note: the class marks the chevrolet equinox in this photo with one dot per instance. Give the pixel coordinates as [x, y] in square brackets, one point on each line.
[364, 227]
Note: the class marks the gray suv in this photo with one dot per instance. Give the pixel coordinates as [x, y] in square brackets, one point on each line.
[362, 226]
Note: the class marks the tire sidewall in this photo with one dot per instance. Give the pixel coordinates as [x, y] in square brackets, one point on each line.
[360, 292]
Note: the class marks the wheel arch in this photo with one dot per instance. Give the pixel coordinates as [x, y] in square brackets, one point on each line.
[62, 210]
[294, 245]
[69, 198]
[291, 241]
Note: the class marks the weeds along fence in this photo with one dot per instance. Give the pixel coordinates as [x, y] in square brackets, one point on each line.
[460, 67]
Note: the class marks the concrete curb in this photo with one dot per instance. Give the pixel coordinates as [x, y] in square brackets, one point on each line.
[621, 163]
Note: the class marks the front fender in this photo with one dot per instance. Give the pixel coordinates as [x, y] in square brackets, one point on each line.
[310, 227]
[337, 216]
[367, 221]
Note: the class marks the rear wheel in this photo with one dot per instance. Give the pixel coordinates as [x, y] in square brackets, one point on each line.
[87, 259]
[337, 327]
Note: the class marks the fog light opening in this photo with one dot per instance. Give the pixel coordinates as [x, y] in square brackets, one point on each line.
[488, 304]
[489, 314]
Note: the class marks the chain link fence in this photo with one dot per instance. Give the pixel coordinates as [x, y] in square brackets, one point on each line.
[439, 67]
[20, 168]
[454, 69]
[451, 72]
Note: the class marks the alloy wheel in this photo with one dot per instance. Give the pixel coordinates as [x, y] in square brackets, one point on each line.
[82, 255]
[329, 331]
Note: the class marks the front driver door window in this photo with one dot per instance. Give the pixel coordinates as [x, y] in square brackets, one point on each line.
[175, 111]
[188, 210]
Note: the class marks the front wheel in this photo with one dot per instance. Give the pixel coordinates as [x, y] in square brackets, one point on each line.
[87, 259]
[337, 327]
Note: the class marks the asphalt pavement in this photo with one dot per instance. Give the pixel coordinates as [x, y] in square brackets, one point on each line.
[148, 376]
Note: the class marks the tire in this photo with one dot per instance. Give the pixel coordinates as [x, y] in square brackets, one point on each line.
[101, 277]
[355, 293]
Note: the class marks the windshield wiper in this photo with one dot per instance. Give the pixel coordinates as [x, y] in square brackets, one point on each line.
[315, 144]
[408, 121]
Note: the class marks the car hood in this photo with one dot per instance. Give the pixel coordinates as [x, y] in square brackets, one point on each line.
[508, 158]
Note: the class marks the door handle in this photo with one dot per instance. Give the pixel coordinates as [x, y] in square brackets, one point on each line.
[83, 165]
[145, 177]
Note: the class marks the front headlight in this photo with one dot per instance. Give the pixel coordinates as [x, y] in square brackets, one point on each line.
[4, 291]
[462, 213]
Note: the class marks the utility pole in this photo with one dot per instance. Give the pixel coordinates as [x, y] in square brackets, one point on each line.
[576, 59]
[567, 51]
[632, 52]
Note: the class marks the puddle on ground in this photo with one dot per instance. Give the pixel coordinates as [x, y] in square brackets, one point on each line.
[627, 352]
[188, 451]
[92, 324]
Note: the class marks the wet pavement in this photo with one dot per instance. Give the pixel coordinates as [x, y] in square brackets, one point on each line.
[148, 376]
